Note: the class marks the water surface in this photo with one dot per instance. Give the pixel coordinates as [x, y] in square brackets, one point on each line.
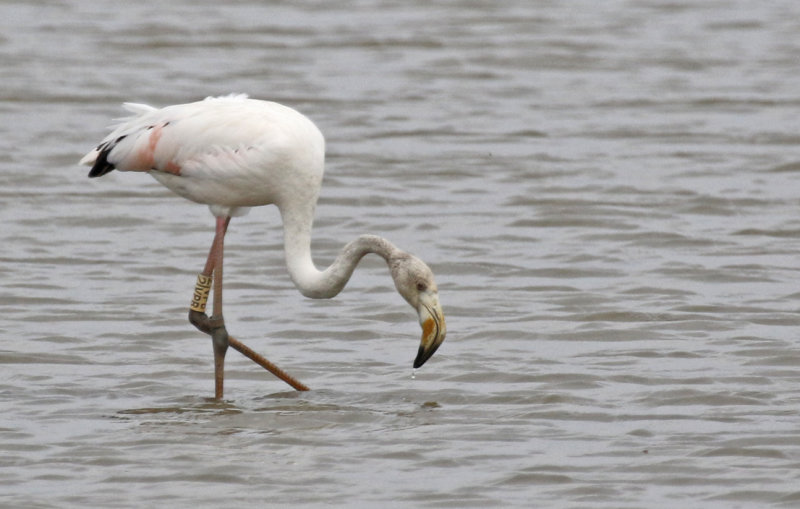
[607, 193]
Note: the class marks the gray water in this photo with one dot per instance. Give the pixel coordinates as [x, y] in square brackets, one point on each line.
[608, 193]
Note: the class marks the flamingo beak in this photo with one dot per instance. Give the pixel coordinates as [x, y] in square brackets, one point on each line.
[434, 328]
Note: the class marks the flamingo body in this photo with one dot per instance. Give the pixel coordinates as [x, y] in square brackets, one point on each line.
[228, 152]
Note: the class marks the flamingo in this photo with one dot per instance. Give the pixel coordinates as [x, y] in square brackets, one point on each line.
[232, 153]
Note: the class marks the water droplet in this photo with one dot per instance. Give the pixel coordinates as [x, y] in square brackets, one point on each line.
[413, 374]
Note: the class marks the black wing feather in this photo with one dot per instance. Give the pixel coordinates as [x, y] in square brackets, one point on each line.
[102, 164]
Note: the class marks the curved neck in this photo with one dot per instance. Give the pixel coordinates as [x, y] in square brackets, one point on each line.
[324, 284]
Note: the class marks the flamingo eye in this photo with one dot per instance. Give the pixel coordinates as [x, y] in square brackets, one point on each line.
[421, 287]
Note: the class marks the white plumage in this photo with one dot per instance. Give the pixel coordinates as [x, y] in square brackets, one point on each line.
[220, 149]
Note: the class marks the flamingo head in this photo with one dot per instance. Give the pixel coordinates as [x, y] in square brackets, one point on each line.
[414, 281]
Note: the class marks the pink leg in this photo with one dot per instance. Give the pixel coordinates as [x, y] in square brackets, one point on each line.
[215, 326]
[219, 335]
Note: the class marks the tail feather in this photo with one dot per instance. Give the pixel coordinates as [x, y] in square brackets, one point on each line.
[90, 158]
[101, 164]
[137, 109]
[98, 158]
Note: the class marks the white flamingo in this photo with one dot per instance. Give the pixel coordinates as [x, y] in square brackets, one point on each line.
[233, 153]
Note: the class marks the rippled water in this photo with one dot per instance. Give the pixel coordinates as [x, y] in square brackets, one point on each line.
[607, 192]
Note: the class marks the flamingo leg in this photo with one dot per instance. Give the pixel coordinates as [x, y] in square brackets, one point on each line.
[219, 335]
[215, 326]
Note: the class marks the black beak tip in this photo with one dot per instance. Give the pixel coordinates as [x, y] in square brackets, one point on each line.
[423, 355]
[421, 358]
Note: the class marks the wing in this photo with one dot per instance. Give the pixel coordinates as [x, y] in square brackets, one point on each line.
[98, 158]
[229, 151]
[205, 138]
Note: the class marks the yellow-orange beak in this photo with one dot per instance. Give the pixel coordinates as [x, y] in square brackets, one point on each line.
[434, 328]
